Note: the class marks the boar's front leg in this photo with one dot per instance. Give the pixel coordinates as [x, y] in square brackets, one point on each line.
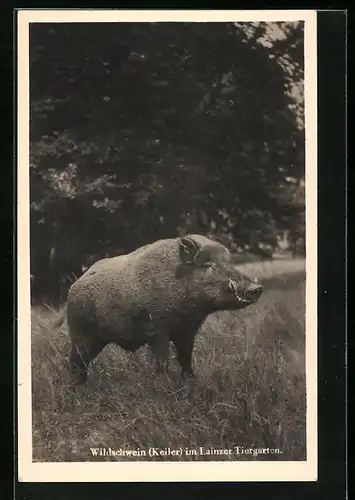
[159, 345]
[184, 344]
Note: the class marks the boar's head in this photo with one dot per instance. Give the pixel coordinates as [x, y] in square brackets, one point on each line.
[210, 278]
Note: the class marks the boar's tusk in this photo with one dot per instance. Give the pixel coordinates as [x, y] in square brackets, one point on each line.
[232, 286]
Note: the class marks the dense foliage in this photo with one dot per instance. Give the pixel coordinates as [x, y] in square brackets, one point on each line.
[147, 130]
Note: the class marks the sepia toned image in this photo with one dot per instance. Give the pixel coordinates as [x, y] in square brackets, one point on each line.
[169, 246]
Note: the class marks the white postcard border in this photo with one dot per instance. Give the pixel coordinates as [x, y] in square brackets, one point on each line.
[29, 471]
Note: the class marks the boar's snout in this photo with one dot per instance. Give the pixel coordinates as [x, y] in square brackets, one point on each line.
[253, 292]
[247, 292]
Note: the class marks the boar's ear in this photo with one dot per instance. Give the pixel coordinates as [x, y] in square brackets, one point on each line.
[189, 250]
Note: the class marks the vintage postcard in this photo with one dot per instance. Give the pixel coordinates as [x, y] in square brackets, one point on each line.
[167, 245]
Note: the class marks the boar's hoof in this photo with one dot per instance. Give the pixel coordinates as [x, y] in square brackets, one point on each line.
[188, 374]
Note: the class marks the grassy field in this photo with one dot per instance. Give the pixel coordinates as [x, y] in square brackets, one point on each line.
[249, 392]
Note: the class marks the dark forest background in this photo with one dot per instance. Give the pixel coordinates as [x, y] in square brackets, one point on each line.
[141, 131]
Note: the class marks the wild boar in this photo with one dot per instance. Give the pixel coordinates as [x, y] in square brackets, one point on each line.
[159, 293]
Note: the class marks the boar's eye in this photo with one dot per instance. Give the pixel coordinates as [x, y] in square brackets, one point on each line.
[210, 265]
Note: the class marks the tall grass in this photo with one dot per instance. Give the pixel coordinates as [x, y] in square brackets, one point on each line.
[250, 388]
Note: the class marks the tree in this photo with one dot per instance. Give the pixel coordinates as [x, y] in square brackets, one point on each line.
[141, 131]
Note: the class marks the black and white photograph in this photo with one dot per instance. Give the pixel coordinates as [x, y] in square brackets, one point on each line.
[167, 252]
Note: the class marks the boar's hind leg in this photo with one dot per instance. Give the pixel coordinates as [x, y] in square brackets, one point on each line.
[184, 346]
[159, 345]
[80, 357]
